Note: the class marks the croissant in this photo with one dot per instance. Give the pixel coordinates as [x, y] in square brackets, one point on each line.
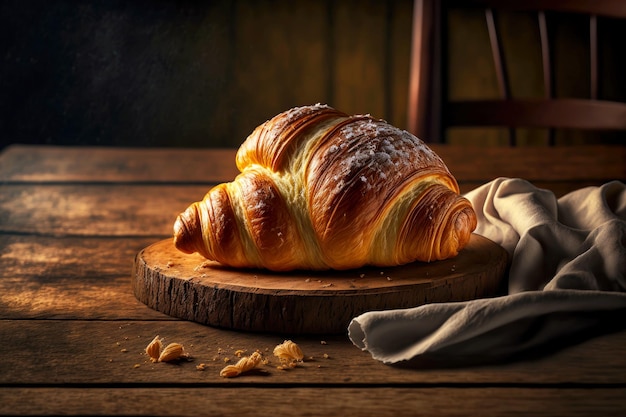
[319, 189]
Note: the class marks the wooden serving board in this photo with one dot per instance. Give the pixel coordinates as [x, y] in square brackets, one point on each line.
[305, 302]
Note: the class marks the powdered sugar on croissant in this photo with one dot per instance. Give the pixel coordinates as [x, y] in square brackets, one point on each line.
[319, 189]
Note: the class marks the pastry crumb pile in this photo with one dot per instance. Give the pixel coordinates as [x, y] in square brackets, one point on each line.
[284, 356]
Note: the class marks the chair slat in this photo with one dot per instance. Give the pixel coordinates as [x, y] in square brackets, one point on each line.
[593, 56]
[498, 60]
[545, 55]
[540, 113]
[546, 61]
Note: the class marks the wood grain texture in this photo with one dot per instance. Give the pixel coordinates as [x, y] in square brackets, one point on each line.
[565, 167]
[44, 164]
[94, 210]
[545, 164]
[64, 278]
[189, 287]
[316, 401]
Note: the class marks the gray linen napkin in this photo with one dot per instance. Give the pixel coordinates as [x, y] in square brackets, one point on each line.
[567, 281]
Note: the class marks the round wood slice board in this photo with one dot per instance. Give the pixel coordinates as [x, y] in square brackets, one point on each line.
[306, 302]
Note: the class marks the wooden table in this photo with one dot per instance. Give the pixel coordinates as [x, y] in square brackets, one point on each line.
[73, 335]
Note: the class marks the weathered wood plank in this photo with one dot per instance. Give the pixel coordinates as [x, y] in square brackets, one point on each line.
[314, 401]
[469, 164]
[42, 164]
[572, 164]
[150, 210]
[94, 210]
[70, 278]
[44, 352]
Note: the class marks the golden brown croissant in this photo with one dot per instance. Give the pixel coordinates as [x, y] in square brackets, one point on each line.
[321, 190]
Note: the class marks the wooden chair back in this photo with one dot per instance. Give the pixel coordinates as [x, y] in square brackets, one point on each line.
[430, 112]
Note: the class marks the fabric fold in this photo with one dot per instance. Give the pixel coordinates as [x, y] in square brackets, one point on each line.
[567, 276]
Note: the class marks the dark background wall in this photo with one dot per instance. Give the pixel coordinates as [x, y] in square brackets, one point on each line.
[205, 73]
[192, 73]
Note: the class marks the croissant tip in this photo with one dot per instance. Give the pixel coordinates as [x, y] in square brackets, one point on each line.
[465, 224]
[184, 230]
